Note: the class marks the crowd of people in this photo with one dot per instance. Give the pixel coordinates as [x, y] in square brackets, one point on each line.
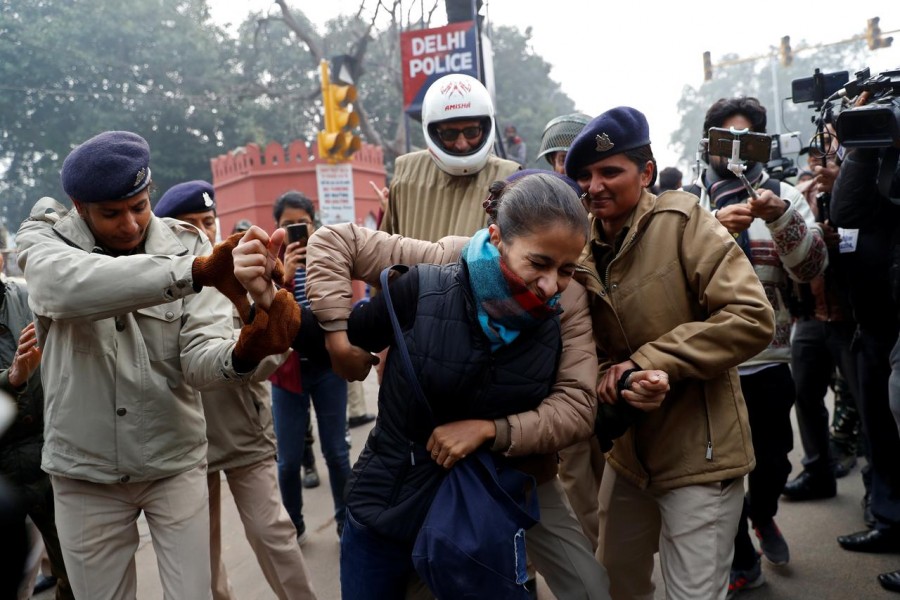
[622, 348]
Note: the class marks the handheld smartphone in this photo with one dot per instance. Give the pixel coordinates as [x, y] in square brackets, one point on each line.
[298, 232]
[755, 147]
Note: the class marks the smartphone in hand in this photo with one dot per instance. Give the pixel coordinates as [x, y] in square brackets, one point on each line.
[298, 232]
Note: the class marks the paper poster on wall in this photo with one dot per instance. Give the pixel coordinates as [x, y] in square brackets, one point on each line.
[335, 185]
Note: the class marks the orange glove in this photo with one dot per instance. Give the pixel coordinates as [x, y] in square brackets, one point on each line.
[217, 270]
[270, 332]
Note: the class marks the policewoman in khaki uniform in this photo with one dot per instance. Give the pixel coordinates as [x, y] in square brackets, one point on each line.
[670, 289]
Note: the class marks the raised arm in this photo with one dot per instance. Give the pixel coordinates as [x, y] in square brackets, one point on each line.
[338, 254]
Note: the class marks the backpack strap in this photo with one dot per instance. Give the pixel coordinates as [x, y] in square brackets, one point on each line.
[399, 341]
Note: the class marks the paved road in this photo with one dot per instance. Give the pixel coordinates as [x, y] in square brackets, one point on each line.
[819, 569]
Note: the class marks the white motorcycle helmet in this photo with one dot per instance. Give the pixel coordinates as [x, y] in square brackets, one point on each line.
[458, 97]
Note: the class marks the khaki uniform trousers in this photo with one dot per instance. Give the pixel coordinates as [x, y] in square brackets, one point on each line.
[692, 528]
[356, 399]
[580, 472]
[268, 529]
[98, 533]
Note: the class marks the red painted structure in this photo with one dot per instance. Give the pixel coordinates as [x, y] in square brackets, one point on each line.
[248, 180]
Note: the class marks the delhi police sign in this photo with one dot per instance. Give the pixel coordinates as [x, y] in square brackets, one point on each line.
[429, 54]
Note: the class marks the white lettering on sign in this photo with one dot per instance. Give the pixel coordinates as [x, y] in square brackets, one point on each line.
[431, 44]
[448, 63]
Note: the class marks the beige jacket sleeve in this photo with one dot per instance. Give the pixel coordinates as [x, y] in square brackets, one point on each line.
[338, 254]
[566, 416]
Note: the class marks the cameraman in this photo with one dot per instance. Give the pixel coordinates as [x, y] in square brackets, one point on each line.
[875, 294]
[779, 236]
[821, 339]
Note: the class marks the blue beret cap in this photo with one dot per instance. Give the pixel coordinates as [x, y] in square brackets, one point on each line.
[188, 197]
[569, 182]
[615, 131]
[111, 166]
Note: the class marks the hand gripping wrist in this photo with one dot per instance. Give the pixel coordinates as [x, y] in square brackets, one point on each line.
[217, 270]
[623, 383]
[271, 331]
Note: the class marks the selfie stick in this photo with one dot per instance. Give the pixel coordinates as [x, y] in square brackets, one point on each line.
[736, 165]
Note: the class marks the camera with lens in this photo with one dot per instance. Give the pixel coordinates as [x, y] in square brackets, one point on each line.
[780, 166]
[875, 124]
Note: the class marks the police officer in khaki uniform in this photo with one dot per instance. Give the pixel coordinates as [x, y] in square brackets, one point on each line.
[128, 334]
[242, 443]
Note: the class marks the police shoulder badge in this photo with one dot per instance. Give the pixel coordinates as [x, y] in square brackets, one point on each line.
[604, 143]
[140, 177]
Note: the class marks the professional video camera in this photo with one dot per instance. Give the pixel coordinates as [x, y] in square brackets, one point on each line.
[869, 115]
[874, 123]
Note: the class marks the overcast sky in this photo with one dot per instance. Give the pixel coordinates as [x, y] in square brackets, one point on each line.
[640, 54]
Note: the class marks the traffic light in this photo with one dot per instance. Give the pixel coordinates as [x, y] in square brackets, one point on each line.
[459, 11]
[787, 57]
[707, 66]
[873, 35]
[337, 142]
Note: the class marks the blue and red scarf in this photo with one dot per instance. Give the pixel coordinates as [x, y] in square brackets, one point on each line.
[505, 305]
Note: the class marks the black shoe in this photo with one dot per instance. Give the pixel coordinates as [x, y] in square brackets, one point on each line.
[360, 420]
[890, 581]
[45, 582]
[310, 478]
[843, 461]
[843, 467]
[872, 540]
[807, 486]
[868, 516]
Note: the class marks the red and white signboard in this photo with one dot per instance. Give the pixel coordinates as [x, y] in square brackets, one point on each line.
[335, 186]
[428, 54]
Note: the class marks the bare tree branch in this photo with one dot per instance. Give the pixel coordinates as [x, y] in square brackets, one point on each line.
[306, 36]
[430, 13]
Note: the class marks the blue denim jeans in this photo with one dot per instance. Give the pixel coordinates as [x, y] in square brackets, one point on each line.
[372, 567]
[290, 412]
